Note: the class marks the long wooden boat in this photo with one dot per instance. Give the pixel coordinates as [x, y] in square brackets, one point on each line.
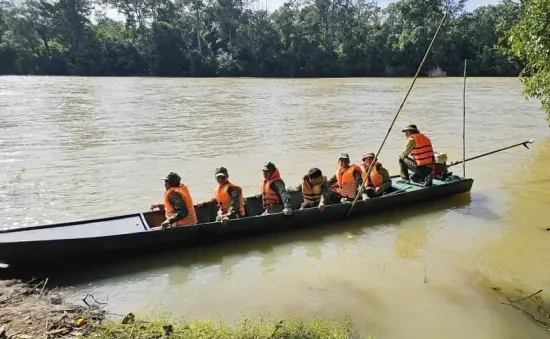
[131, 234]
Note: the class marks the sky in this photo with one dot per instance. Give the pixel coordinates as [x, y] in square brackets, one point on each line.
[274, 4]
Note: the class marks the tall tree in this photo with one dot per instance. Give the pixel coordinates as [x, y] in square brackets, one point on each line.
[529, 41]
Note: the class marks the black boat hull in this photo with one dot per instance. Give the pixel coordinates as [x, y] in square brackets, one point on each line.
[62, 252]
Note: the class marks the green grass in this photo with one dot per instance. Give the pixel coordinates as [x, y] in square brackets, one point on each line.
[287, 328]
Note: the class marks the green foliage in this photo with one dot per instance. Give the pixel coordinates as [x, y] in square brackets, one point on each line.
[288, 328]
[529, 41]
[302, 38]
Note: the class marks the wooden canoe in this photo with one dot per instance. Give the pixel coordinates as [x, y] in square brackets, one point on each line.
[91, 240]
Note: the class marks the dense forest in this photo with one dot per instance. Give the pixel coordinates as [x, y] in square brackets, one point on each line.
[311, 38]
[528, 40]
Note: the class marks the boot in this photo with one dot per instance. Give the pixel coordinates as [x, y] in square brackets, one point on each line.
[416, 178]
[428, 181]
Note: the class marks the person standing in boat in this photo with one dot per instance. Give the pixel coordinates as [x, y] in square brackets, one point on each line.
[178, 204]
[315, 190]
[274, 193]
[379, 180]
[229, 197]
[348, 177]
[418, 157]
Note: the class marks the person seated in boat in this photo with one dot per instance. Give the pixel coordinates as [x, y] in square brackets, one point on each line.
[379, 180]
[228, 196]
[348, 177]
[178, 204]
[274, 193]
[315, 190]
[417, 156]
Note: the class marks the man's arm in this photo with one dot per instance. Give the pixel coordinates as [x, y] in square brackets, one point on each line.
[234, 203]
[387, 179]
[357, 175]
[408, 148]
[279, 187]
[325, 193]
[180, 208]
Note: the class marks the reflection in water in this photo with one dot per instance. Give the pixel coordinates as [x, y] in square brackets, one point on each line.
[179, 275]
[413, 236]
[110, 139]
[409, 240]
[313, 251]
[270, 258]
[482, 208]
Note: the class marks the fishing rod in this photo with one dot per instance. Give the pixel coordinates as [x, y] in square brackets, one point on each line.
[360, 191]
[493, 152]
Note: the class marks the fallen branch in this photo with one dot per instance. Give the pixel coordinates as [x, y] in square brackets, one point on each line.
[56, 324]
[32, 312]
[35, 287]
[93, 298]
[527, 297]
[539, 322]
[24, 292]
[425, 276]
[531, 317]
[43, 286]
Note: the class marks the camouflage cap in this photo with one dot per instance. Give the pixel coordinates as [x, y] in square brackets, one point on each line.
[172, 177]
[368, 155]
[344, 156]
[221, 171]
[269, 166]
[411, 128]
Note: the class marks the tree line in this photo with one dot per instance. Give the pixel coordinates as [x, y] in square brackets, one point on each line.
[302, 38]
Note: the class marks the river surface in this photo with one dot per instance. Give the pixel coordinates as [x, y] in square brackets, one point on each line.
[73, 148]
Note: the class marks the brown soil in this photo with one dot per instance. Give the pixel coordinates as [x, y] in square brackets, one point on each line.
[30, 310]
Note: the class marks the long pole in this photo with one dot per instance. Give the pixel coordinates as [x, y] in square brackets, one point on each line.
[464, 124]
[399, 110]
[493, 152]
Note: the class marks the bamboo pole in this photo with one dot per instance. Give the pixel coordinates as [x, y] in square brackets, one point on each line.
[524, 144]
[464, 123]
[359, 193]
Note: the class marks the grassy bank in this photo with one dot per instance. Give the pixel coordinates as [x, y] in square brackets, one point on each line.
[31, 310]
[286, 328]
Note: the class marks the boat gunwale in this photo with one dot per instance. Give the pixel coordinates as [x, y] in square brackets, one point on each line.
[75, 223]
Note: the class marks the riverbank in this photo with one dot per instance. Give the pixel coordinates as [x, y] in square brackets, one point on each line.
[287, 328]
[32, 310]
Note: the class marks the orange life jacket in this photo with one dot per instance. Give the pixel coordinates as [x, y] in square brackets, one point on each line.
[269, 195]
[346, 181]
[311, 193]
[375, 179]
[422, 153]
[186, 196]
[221, 193]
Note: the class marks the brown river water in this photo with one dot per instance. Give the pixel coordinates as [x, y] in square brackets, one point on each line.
[77, 148]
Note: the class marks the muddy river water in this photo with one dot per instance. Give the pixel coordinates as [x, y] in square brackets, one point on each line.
[76, 148]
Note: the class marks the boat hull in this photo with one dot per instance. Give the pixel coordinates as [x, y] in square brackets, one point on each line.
[90, 241]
